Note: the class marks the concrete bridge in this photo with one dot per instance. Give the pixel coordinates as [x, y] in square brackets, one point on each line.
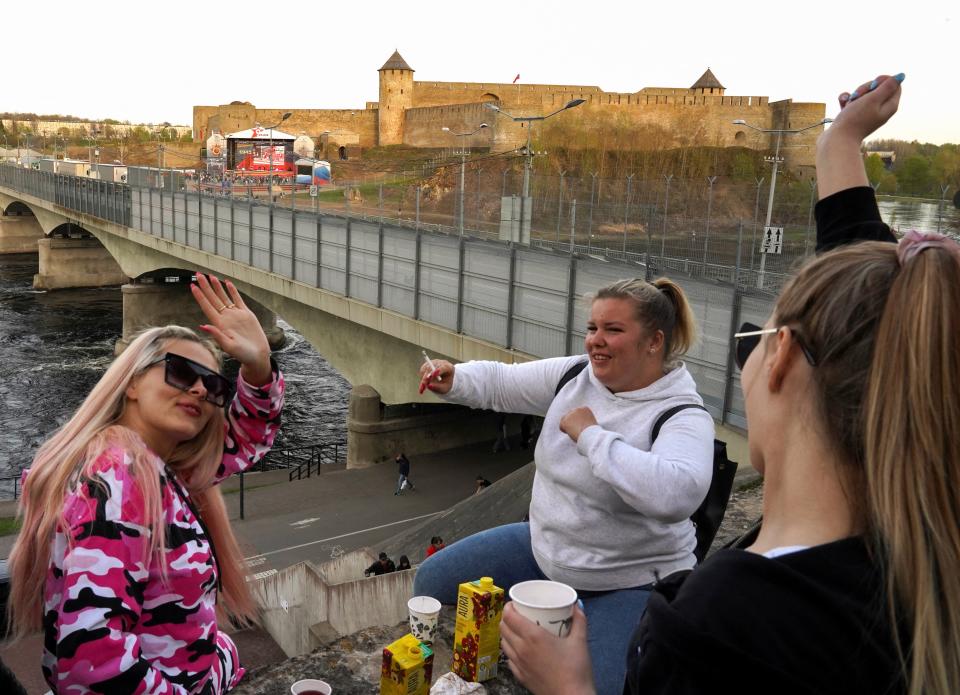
[367, 295]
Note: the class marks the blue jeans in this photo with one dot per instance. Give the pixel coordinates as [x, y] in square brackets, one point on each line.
[504, 553]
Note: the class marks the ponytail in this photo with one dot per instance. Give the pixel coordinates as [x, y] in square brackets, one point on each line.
[883, 320]
[684, 331]
[912, 420]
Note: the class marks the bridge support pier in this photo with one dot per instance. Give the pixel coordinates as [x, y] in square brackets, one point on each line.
[68, 263]
[160, 304]
[376, 433]
[19, 234]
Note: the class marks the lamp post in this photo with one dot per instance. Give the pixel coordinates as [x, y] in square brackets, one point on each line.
[528, 164]
[463, 165]
[270, 175]
[773, 175]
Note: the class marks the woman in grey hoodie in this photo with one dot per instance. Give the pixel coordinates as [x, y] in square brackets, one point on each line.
[610, 510]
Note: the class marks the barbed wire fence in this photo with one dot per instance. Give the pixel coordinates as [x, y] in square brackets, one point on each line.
[710, 228]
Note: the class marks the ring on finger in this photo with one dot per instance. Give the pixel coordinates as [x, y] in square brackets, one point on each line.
[231, 305]
[221, 308]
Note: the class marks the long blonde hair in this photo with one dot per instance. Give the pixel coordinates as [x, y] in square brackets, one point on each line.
[67, 456]
[660, 305]
[888, 385]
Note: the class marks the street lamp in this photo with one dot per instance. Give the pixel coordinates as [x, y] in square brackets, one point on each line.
[773, 177]
[528, 164]
[270, 175]
[463, 164]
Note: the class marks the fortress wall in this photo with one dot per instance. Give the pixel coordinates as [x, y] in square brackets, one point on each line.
[227, 118]
[800, 150]
[234, 117]
[423, 126]
[683, 123]
[556, 100]
[442, 93]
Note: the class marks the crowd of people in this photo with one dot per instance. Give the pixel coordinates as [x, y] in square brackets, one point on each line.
[847, 586]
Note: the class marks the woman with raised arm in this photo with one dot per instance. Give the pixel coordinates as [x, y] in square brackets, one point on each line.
[126, 555]
[610, 510]
[849, 586]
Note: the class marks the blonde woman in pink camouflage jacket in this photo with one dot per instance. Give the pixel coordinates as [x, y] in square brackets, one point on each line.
[123, 525]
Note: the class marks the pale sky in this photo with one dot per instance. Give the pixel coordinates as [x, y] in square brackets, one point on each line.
[151, 62]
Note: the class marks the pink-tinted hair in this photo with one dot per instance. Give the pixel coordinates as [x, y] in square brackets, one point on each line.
[67, 456]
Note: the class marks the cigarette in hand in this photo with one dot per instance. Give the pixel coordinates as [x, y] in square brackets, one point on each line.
[430, 363]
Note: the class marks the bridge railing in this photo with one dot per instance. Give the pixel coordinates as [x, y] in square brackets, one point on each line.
[524, 298]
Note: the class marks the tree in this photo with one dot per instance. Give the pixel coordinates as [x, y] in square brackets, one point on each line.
[875, 169]
[887, 184]
[945, 166]
[915, 176]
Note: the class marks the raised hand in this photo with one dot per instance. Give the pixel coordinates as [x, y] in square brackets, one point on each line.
[234, 327]
[439, 379]
[869, 106]
[839, 160]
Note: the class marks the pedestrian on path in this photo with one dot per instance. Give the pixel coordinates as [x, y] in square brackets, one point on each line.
[126, 548]
[403, 468]
[383, 565]
[436, 543]
[481, 484]
[502, 443]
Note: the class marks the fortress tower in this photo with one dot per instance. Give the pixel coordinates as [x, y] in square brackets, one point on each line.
[396, 96]
[708, 84]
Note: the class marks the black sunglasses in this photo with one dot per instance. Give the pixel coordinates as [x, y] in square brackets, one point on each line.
[748, 337]
[182, 373]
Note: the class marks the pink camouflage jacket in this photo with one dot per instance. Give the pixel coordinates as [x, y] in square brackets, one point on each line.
[111, 625]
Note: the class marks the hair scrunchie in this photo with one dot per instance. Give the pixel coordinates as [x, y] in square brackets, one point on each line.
[913, 242]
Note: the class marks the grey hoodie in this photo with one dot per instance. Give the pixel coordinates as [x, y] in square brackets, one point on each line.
[607, 511]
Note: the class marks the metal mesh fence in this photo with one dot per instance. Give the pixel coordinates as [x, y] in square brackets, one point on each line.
[696, 227]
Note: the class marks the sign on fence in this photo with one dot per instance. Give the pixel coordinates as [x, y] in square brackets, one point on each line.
[772, 240]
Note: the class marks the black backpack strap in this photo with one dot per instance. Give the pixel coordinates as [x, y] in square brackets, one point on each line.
[570, 375]
[666, 415]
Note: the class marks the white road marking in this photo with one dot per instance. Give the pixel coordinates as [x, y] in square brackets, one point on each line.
[261, 575]
[345, 535]
[256, 560]
[304, 522]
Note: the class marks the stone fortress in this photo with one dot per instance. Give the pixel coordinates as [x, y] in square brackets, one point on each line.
[411, 112]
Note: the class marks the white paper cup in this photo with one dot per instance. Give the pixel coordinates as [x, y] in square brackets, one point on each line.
[424, 612]
[311, 685]
[548, 604]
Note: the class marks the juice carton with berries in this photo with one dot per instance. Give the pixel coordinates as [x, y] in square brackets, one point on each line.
[407, 667]
[476, 642]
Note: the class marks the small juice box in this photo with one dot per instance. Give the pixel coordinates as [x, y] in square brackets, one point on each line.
[476, 642]
[407, 667]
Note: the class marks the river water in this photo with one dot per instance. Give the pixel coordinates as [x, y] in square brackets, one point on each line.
[56, 345]
[904, 215]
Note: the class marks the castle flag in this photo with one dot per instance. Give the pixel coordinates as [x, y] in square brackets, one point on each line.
[516, 78]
